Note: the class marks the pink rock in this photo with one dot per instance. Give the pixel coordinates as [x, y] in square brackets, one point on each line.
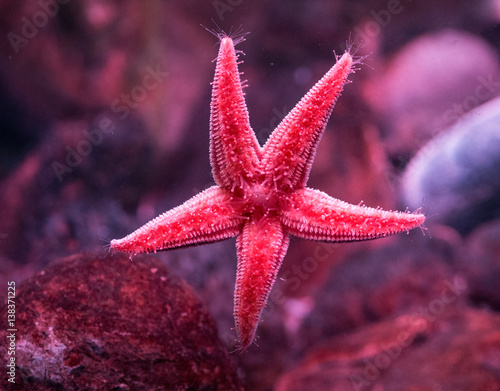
[108, 323]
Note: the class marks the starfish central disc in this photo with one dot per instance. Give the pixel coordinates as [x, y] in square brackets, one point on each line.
[261, 201]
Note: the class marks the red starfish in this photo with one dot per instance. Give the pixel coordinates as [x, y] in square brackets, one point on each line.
[260, 194]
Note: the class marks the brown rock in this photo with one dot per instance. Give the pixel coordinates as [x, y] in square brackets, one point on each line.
[455, 349]
[109, 323]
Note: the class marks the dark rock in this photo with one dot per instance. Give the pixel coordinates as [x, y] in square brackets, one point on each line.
[455, 349]
[60, 201]
[111, 323]
[65, 58]
[481, 265]
[372, 284]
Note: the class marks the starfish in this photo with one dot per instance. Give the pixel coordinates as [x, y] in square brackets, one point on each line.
[260, 194]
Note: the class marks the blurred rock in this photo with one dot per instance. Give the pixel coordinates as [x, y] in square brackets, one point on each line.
[66, 57]
[456, 174]
[430, 83]
[386, 26]
[449, 350]
[481, 265]
[111, 323]
[406, 274]
[62, 198]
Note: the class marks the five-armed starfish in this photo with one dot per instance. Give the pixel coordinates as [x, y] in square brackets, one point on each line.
[261, 194]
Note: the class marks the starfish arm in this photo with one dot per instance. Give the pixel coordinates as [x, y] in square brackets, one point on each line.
[207, 217]
[289, 152]
[315, 215]
[234, 149]
[261, 248]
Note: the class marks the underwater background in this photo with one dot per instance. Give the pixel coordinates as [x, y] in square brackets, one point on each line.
[104, 115]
